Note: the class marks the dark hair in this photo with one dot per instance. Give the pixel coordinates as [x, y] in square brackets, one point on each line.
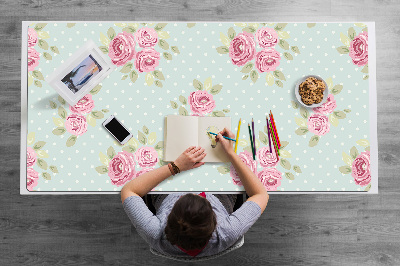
[191, 222]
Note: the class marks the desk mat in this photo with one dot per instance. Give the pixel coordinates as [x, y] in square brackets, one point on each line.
[241, 70]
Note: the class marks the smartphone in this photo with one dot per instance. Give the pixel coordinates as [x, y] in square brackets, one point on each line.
[119, 131]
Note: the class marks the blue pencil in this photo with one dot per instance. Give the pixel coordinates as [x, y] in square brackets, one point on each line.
[222, 136]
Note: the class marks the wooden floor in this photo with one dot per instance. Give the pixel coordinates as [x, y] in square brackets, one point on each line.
[294, 230]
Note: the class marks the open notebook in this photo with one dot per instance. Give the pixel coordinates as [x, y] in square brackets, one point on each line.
[181, 132]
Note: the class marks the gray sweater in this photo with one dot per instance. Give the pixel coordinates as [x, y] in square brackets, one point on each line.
[229, 227]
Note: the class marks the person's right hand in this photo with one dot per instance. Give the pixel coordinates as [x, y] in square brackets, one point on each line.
[225, 143]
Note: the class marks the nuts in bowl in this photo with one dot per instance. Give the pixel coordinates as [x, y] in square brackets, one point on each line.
[311, 91]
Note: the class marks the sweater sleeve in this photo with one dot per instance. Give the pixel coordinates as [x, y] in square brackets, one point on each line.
[146, 223]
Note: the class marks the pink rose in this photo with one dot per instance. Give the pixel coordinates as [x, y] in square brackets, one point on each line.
[30, 157]
[146, 37]
[33, 59]
[267, 158]
[361, 169]
[242, 48]
[147, 60]
[32, 178]
[201, 102]
[327, 107]
[359, 49]
[121, 168]
[146, 156]
[144, 170]
[271, 178]
[32, 37]
[318, 124]
[247, 158]
[76, 124]
[122, 48]
[267, 37]
[267, 60]
[83, 106]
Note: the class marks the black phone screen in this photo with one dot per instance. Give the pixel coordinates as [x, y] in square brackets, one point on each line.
[117, 129]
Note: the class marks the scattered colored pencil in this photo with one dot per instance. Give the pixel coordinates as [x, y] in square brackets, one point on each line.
[274, 140]
[254, 138]
[251, 141]
[222, 136]
[237, 135]
[276, 130]
[269, 135]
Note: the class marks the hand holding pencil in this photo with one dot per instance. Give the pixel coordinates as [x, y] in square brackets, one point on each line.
[226, 144]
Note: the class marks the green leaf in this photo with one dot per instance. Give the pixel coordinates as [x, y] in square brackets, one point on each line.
[70, 25]
[289, 176]
[336, 89]
[182, 99]
[163, 35]
[91, 120]
[159, 146]
[163, 44]
[43, 34]
[245, 77]
[111, 152]
[61, 112]
[300, 122]
[174, 105]
[59, 131]
[333, 120]
[339, 114]
[283, 34]
[158, 83]
[249, 29]
[222, 50]
[53, 105]
[313, 141]
[263, 138]
[31, 138]
[142, 138]
[344, 39]
[225, 40]
[254, 75]
[345, 169]
[343, 49]
[266, 129]
[167, 56]
[97, 114]
[284, 44]
[208, 84]
[365, 69]
[145, 130]
[303, 112]
[40, 26]
[104, 49]
[368, 148]
[101, 169]
[149, 79]
[133, 76]
[104, 39]
[152, 138]
[38, 83]
[278, 74]
[183, 111]
[347, 159]
[285, 164]
[247, 68]
[160, 26]
[61, 100]
[95, 90]
[363, 142]
[158, 74]
[270, 79]
[279, 83]
[367, 188]
[301, 131]
[284, 144]
[197, 84]
[297, 169]
[42, 164]
[365, 29]
[53, 168]
[217, 114]
[126, 68]
[190, 25]
[129, 148]
[231, 33]
[43, 44]
[295, 105]
[175, 49]
[295, 49]
[111, 33]
[30, 79]
[310, 25]
[347, 110]
[54, 49]
[129, 29]
[365, 77]
[216, 89]
[37, 74]
[38, 145]
[124, 77]
[280, 26]
[351, 33]
[71, 141]
[353, 152]
[46, 176]
[226, 110]
[223, 169]
[288, 56]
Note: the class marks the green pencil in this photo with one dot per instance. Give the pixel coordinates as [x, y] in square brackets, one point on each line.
[251, 141]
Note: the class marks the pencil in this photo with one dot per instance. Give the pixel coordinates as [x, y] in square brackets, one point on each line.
[254, 139]
[251, 141]
[276, 130]
[222, 136]
[275, 142]
[237, 135]
[269, 135]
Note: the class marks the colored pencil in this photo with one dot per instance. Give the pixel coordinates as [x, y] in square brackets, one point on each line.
[251, 141]
[276, 130]
[274, 140]
[254, 138]
[222, 136]
[237, 135]
[269, 135]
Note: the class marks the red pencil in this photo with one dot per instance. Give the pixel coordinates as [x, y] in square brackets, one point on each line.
[276, 131]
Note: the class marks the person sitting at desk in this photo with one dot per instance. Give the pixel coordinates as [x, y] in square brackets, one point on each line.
[188, 224]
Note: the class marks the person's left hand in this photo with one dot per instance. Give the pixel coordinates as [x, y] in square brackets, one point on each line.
[190, 158]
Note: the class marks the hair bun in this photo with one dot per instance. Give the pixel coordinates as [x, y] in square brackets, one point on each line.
[183, 225]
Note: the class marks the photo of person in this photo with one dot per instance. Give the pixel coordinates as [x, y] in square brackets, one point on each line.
[81, 74]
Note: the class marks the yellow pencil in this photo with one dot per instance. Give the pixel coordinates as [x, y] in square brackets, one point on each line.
[237, 135]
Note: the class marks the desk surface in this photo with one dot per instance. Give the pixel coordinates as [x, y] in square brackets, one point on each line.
[194, 66]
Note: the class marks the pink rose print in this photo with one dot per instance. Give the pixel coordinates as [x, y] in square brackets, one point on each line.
[122, 48]
[32, 37]
[318, 124]
[76, 124]
[267, 60]
[271, 178]
[146, 37]
[83, 106]
[327, 107]
[30, 157]
[247, 158]
[144, 170]
[32, 178]
[147, 60]
[201, 102]
[267, 37]
[267, 158]
[359, 49]
[146, 156]
[121, 168]
[33, 59]
[242, 48]
[360, 169]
